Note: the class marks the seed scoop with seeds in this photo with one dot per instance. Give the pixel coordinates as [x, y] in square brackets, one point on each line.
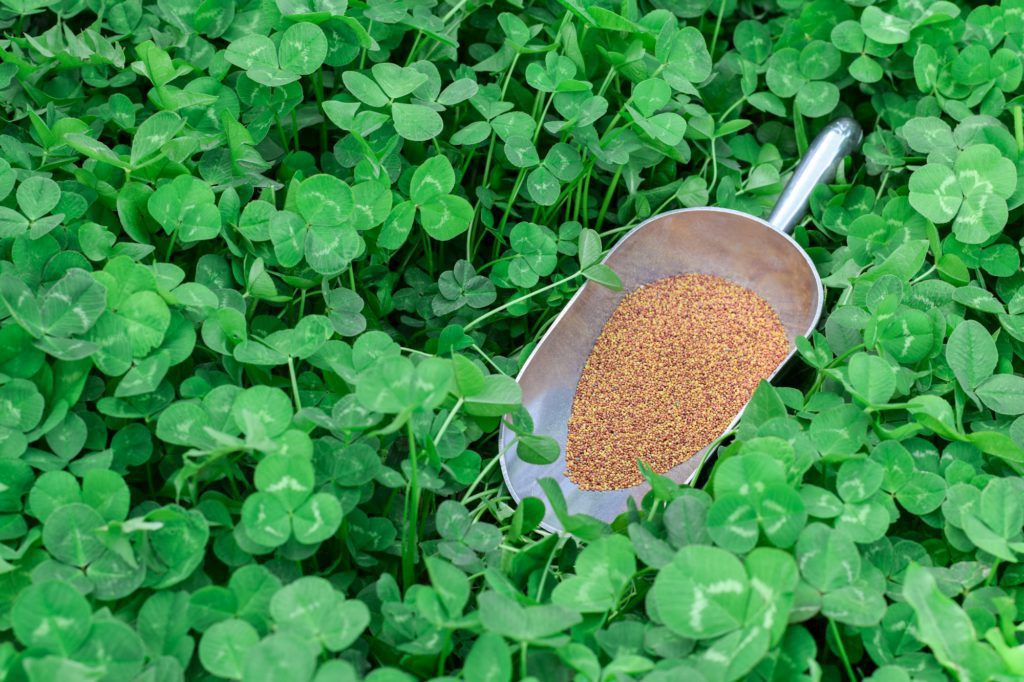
[677, 360]
[713, 300]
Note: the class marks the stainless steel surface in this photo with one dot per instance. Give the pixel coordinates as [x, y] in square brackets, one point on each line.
[838, 139]
[716, 241]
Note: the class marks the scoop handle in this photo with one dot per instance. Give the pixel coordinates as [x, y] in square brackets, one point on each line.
[837, 140]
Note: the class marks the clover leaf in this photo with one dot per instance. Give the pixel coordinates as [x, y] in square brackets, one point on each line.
[972, 193]
[300, 51]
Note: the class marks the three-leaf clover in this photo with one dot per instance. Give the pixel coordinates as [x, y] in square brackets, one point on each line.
[803, 74]
[299, 51]
[320, 229]
[37, 196]
[285, 505]
[972, 193]
[443, 215]
[185, 208]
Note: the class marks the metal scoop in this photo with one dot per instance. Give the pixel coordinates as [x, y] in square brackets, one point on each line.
[741, 248]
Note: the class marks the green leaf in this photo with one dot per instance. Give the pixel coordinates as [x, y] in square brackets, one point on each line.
[488, 660]
[303, 48]
[703, 593]
[416, 122]
[971, 354]
[262, 410]
[944, 626]
[432, 179]
[603, 570]
[151, 136]
[498, 396]
[397, 81]
[94, 149]
[37, 196]
[317, 519]
[266, 519]
[651, 95]
[828, 558]
[313, 610]
[73, 304]
[1003, 393]
[883, 27]
[817, 98]
[935, 192]
[51, 616]
[603, 275]
[872, 378]
[446, 217]
[70, 534]
[147, 319]
[280, 655]
[225, 647]
[185, 207]
[364, 89]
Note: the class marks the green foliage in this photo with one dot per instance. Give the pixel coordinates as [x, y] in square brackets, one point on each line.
[268, 269]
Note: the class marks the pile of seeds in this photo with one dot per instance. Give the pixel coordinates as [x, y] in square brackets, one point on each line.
[676, 361]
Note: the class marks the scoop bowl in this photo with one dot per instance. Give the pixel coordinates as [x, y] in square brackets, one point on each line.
[755, 253]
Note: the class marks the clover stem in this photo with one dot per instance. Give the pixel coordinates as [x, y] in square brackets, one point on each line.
[799, 130]
[520, 299]
[511, 200]
[923, 275]
[318, 88]
[631, 224]
[547, 565]
[448, 421]
[469, 230]
[170, 246]
[295, 383]
[487, 359]
[485, 471]
[586, 196]
[446, 649]
[450, 13]
[820, 379]
[1018, 127]
[234, 486]
[607, 81]
[714, 167]
[362, 53]
[560, 203]
[281, 133]
[842, 649]
[741, 100]
[414, 48]
[485, 178]
[543, 115]
[427, 252]
[714, 444]
[992, 572]
[608, 198]
[409, 539]
[718, 27]
[491, 264]
[523, 646]
[508, 74]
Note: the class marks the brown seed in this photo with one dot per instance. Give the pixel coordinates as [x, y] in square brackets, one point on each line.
[673, 365]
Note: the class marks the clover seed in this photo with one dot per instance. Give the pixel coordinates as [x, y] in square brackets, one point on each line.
[675, 363]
